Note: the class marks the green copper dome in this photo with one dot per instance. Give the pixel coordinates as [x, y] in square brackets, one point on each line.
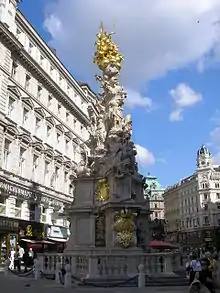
[153, 183]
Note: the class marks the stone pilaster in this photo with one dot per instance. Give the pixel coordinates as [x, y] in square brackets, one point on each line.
[10, 206]
[49, 212]
[25, 211]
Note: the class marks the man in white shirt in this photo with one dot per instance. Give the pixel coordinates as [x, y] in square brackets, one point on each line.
[21, 254]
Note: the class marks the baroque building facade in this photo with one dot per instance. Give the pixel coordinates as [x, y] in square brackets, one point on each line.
[192, 206]
[154, 191]
[43, 128]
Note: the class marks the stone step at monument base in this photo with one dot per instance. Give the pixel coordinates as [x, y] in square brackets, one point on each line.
[153, 281]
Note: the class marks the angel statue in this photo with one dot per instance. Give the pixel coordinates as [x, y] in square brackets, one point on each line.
[100, 133]
[127, 126]
[83, 169]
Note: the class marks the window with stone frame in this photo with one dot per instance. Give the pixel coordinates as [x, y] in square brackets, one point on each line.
[74, 123]
[30, 48]
[52, 69]
[26, 113]
[43, 214]
[46, 167]
[14, 69]
[21, 160]
[41, 59]
[59, 138]
[18, 32]
[59, 107]
[2, 206]
[7, 152]
[46, 171]
[35, 165]
[32, 210]
[81, 129]
[27, 81]
[67, 147]
[74, 151]
[18, 207]
[50, 100]
[38, 121]
[39, 91]
[68, 90]
[49, 130]
[12, 102]
[55, 177]
[60, 81]
[67, 116]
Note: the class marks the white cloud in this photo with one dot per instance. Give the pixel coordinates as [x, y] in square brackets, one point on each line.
[155, 36]
[134, 99]
[176, 115]
[183, 97]
[144, 156]
[216, 159]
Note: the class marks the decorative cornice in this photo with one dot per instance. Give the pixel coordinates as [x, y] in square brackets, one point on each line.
[25, 138]
[68, 164]
[12, 130]
[14, 90]
[76, 140]
[59, 159]
[69, 134]
[40, 112]
[49, 151]
[60, 127]
[38, 146]
[51, 120]
[28, 101]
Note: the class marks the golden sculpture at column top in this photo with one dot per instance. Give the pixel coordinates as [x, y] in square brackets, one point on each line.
[107, 51]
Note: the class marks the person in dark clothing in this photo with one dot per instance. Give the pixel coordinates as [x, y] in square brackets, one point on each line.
[17, 264]
[205, 276]
[26, 260]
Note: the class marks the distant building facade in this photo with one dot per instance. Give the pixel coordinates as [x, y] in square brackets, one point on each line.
[154, 191]
[43, 128]
[192, 206]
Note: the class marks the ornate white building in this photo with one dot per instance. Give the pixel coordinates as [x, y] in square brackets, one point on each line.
[192, 206]
[43, 123]
[154, 191]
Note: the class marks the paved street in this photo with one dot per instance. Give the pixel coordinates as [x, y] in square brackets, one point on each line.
[19, 285]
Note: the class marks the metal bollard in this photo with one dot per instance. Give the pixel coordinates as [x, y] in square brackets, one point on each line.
[36, 269]
[6, 267]
[67, 277]
[58, 270]
[141, 276]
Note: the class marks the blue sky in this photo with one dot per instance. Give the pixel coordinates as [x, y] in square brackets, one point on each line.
[171, 70]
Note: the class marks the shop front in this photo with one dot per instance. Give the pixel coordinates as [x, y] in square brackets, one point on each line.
[9, 230]
[32, 234]
[59, 236]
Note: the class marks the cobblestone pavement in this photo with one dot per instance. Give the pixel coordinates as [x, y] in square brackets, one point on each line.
[16, 284]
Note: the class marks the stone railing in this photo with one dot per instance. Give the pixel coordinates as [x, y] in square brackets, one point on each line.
[98, 265]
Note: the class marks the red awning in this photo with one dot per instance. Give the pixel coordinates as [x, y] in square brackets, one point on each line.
[160, 244]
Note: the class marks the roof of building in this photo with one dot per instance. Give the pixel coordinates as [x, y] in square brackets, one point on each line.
[153, 182]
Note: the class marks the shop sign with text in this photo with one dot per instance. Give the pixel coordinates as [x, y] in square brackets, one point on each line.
[8, 188]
